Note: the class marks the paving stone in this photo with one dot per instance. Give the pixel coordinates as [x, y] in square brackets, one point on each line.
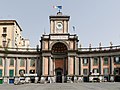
[63, 86]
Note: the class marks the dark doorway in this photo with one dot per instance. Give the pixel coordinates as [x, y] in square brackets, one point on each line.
[86, 79]
[117, 78]
[32, 79]
[59, 76]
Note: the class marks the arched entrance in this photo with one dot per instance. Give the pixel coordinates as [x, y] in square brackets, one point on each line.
[59, 53]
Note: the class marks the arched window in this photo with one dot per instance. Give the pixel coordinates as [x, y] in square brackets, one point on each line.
[59, 48]
[21, 72]
[32, 71]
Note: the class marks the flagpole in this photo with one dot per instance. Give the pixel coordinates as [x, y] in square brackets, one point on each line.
[74, 29]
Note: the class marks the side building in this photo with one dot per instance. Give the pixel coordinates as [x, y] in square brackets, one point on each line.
[10, 33]
[59, 59]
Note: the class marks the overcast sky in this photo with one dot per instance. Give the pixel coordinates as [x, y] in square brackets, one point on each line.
[95, 20]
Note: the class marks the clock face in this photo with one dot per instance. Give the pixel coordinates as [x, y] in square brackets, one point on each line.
[59, 25]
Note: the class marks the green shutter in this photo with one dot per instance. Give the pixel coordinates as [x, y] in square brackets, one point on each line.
[11, 73]
[1, 81]
[0, 72]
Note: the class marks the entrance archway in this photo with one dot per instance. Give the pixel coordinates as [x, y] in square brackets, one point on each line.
[60, 60]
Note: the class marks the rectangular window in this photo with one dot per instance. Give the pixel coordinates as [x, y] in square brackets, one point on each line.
[22, 63]
[117, 60]
[4, 29]
[4, 43]
[85, 71]
[85, 61]
[95, 70]
[105, 71]
[32, 63]
[117, 71]
[11, 62]
[1, 62]
[0, 72]
[11, 73]
[106, 61]
[95, 61]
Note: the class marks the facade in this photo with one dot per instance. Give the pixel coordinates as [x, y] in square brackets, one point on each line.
[59, 59]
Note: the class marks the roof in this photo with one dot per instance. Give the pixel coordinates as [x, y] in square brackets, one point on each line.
[9, 22]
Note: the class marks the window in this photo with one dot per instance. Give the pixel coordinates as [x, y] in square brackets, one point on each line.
[105, 71]
[32, 62]
[21, 72]
[32, 71]
[1, 63]
[106, 61]
[85, 71]
[117, 71]
[95, 61]
[0, 72]
[4, 43]
[11, 73]
[11, 62]
[22, 63]
[85, 61]
[4, 29]
[117, 60]
[95, 70]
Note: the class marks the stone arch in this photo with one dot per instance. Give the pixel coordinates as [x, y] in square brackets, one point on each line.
[59, 48]
[65, 43]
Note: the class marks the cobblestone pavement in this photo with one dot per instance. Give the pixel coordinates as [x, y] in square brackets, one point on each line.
[63, 86]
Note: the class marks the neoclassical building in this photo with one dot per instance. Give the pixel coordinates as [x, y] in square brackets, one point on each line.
[59, 59]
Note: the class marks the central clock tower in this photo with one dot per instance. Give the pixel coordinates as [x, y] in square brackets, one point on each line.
[59, 24]
[58, 50]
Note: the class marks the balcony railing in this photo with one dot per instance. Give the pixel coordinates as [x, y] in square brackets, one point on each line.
[100, 48]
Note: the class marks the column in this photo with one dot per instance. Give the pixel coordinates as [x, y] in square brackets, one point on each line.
[37, 66]
[77, 66]
[53, 66]
[64, 66]
[65, 27]
[43, 66]
[6, 67]
[17, 66]
[50, 66]
[27, 65]
[112, 65]
[64, 78]
[90, 64]
[51, 26]
[70, 65]
[81, 64]
[100, 66]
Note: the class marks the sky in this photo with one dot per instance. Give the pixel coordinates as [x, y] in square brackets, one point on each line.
[95, 21]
